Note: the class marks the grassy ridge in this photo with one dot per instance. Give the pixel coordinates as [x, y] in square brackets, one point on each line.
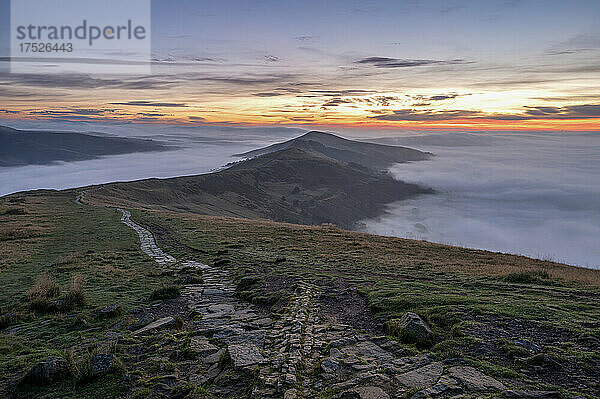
[289, 185]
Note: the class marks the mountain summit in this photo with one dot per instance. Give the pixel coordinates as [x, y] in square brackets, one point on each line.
[327, 145]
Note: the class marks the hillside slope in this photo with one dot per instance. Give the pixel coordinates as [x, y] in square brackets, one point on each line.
[25, 147]
[370, 155]
[501, 325]
[289, 185]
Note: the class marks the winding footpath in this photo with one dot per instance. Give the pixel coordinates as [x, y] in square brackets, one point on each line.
[298, 355]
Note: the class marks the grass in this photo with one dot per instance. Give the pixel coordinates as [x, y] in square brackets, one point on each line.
[76, 296]
[528, 277]
[83, 254]
[165, 292]
[80, 255]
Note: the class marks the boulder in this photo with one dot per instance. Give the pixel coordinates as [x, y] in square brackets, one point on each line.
[474, 380]
[409, 327]
[51, 369]
[290, 394]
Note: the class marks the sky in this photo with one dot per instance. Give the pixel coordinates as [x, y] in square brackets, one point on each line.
[480, 65]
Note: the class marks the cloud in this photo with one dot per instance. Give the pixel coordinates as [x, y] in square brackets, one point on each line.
[385, 62]
[441, 98]
[271, 58]
[542, 110]
[584, 111]
[243, 80]
[337, 93]
[268, 94]
[334, 102]
[569, 51]
[76, 111]
[151, 114]
[304, 38]
[149, 104]
[428, 115]
[85, 81]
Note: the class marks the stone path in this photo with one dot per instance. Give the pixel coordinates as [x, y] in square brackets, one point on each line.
[147, 243]
[299, 355]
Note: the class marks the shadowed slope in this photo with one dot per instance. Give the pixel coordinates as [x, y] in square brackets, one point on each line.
[25, 147]
[289, 185]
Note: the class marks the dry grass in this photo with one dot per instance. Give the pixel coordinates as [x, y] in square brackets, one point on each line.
[9, 233]
[388, 253]
[42, 292]
[76, 296]
[45, 287]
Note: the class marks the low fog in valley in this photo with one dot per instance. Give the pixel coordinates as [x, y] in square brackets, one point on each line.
[536, 194]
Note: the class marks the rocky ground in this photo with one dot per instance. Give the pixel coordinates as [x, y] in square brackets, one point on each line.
[236, 349]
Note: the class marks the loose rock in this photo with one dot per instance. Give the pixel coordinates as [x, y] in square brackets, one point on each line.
[410, 327]
[160, 323]
[103, 363]
[475, 380]
[365, 393]
[245, 355]
[202, 346]
[422, 377]
[51, 369]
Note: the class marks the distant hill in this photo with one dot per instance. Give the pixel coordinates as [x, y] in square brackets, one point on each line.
[370, 155]
[289, 185]
[25, 147]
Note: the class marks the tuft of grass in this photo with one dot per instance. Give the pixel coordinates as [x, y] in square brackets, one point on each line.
[45, 287]
[165, 292]
[41, 293]
[10, 233]
[142, 393]
[179, 323]
[76, 296]
[13, 211]
[225, 360]
[527, 277]
[8, 319]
